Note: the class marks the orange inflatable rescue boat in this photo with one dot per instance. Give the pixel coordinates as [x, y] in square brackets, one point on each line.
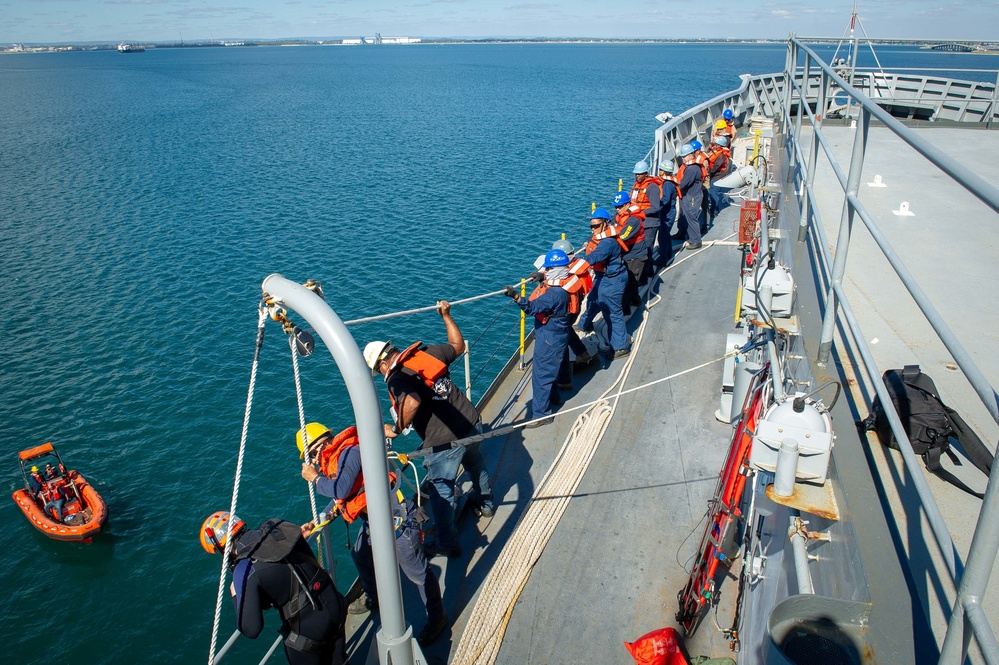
[59, 503]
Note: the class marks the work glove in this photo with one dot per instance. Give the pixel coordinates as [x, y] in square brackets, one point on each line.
[536, 277]
[511, 292]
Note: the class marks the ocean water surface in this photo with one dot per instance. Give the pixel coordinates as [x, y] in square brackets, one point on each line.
[145, 198]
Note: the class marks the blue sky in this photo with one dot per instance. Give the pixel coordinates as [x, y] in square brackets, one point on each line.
[170, 20]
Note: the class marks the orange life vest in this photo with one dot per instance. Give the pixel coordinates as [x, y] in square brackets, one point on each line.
[329, 461]
[701, 159]
[676, 183]
[681, 171]
[429, 369]
[610, 232]
[718, 160]
[577, 284]
[630, 235]
[639, 196]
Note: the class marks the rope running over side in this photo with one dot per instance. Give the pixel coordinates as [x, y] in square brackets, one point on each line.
[261, 320]
[301, 424]
[486, 626]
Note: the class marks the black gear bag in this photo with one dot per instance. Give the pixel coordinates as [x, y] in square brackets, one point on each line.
[929, 423]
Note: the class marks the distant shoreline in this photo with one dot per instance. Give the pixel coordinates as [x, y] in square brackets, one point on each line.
[991, 47]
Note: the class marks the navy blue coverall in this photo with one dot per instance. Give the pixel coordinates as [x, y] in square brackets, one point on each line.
[551, 347]
[608, 290]
[408, 541]
[692, 202]
[662, 257]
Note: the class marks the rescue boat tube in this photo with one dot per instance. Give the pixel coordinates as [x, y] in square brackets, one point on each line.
[84, 522]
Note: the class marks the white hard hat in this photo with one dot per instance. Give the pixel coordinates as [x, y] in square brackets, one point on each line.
[373, 353]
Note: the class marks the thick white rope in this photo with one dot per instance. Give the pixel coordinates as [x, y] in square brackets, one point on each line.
[261, 319]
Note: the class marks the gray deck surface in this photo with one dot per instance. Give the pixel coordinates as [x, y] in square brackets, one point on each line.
[609, 573]
[950, 246]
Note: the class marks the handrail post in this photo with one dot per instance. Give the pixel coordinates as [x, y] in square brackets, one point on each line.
[819, 114]
[790, 64]
[843, 241]
[468, 374]
[523, 316]
[981, 559]
[395, 639]
[803, 193]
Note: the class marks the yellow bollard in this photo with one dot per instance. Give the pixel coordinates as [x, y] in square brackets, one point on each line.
[620, 184]
[738, 304]
[523, 316]
[757, 136]
[593, 208]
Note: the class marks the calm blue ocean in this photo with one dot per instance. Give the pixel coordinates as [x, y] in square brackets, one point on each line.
[144, 198]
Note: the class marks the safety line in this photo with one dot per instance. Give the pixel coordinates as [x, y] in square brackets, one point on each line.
[506, 429]
[261, 320]
[419, 310]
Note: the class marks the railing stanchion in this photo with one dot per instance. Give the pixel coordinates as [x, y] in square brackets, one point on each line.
[523, 294]
[468, 374]
[843, 241]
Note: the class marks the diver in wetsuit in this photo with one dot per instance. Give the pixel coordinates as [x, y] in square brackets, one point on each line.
[274, 566]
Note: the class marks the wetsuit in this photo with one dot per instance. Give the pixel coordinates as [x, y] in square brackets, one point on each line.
[314, 635]
[551, 347]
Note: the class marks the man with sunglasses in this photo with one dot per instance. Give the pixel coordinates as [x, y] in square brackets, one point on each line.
[605, 253]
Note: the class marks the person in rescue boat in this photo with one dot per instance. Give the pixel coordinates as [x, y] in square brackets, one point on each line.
[663, 255]
[605, 252]
[36, 482]
[274, 566]
[549, 304]
[340, 478]
[424, 397]
[51, 491]
[691, 195]
[630, 222]
[719, 165]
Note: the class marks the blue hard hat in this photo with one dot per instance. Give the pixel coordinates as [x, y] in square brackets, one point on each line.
[696, 145]
[641, 167]
[687, 149]
[727, 114]
[555, 258]
[621, 199]
[600, 213]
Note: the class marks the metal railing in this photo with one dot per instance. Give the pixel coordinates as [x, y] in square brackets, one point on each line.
[970, 579]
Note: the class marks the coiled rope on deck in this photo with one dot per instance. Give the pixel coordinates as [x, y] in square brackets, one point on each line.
[483, 636]
[261, 320]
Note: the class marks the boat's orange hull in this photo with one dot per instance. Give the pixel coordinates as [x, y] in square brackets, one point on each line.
[94, 511]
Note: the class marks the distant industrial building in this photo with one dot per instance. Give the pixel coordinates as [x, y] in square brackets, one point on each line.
[378, 39]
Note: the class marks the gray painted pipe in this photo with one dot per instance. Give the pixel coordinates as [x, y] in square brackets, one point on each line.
[794, 532]
[395, 643]
[787, 468]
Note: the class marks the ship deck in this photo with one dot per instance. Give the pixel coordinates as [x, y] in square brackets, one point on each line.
[613, 566]
[949, 245]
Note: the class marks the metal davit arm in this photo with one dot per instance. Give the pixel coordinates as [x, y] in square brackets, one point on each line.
[395, 639]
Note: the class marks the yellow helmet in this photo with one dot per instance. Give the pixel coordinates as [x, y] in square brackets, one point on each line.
[34, 469]
[313, 432]
[721, 124]
[215, 530]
